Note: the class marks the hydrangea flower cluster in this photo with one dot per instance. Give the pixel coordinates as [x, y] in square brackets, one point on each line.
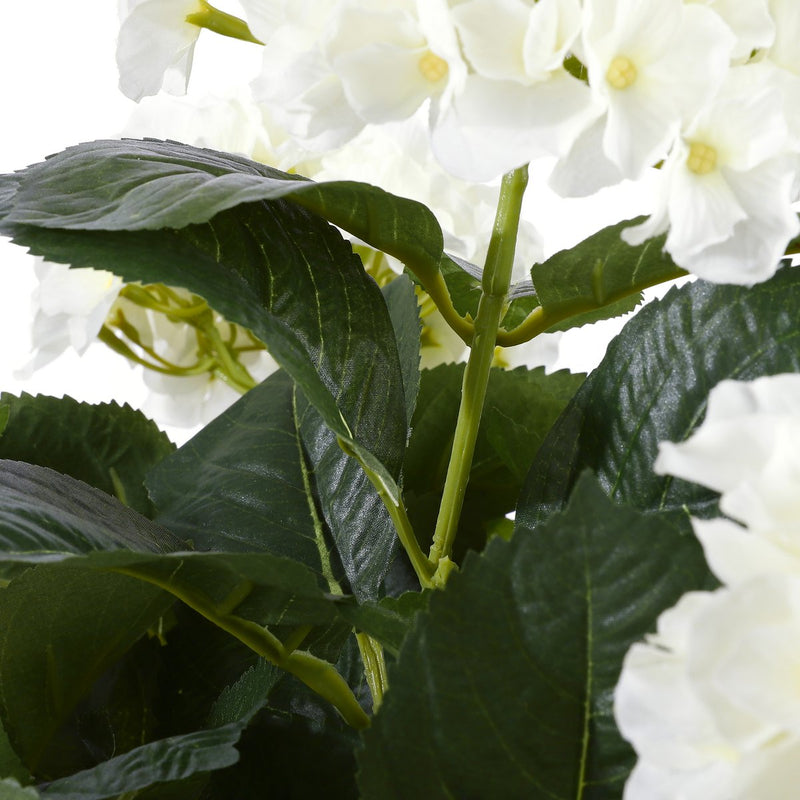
[711, 702]
[612, 88]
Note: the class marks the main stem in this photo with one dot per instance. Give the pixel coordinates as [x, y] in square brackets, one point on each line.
[491, 307]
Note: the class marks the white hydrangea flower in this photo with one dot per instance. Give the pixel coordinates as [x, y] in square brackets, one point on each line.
[297, 83]
[518, 101]
[748, 449]
[69, 308]
[750, 22]
[728, 184]
[784, 53]
[393, 55]
[711, 702]
[155, 39]
[654, 63]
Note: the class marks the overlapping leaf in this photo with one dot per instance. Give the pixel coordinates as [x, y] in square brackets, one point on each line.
[103, 579]
[271, 266]
[507, 680]
[653, 386]
[108, 446]
[246, 483]
[178, 757]
[149, 184]
[520, 407]
[45, 515]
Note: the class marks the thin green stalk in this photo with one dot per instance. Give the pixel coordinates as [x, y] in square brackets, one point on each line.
[317, 674]
[225, 24]
[389, 494]
[492, 306]
[540, 319]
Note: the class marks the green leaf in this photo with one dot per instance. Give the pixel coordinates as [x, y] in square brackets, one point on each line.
[45, 515]
[166, 760]
[63, 627]
[242, 485]
[150, 184]
[504, 687]
[288, 756]
[653, 386]
[249, 482]
[592, 280]
[108, 446]
[401, 301]
[520, 407]
[272, 267]
[389, 620]
[241, 701]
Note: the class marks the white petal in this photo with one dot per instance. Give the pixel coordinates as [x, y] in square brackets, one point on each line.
[153, 38]
[585, 169]
[735, 554]
[494, 126]
[492, 33]
[383, 82]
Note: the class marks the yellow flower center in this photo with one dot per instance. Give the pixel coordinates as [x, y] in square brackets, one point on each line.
[432, 67]
[702, 158]
[621, 72]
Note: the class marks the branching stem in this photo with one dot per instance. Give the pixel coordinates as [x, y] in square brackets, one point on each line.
[491, 308]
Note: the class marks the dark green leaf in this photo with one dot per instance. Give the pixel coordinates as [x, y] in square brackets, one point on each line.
[241, 701]
[389, 620]
[108, 446]
[45, 515]
[145, 185]
[404, 313]
[271, 266]
[241, 484]
[247, 483]
[653, 385]
[166, 760]
[504, 687]
[520, 407]
[591, 280]
[63, 627]
[288, 756]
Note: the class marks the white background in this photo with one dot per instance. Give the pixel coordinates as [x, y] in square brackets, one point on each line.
[59, 87]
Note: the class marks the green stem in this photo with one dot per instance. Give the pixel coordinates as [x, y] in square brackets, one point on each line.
[491, 307]
[392, 500]
[436, 288]
[108, 338]
[219, 22]
[317, 674]
[540, 319]
[230, 370]
[374, 668]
